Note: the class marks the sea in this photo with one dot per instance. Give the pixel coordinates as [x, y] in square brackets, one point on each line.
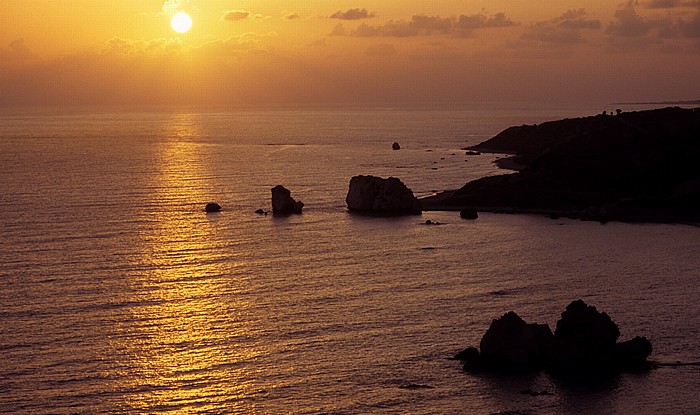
[120, 295]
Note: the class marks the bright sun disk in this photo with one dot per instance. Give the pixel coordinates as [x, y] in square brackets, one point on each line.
[181, 22]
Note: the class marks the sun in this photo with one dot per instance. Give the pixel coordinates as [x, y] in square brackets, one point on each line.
[181, 22]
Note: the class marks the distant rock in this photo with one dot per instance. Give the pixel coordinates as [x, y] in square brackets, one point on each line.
[473, 153]
[376, 195]
[583, 342]
[283, 203]
[396, 146]
[212, 207]
[261, 212]
[468, 213]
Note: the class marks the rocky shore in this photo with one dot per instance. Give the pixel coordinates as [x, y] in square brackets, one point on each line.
[636, 166]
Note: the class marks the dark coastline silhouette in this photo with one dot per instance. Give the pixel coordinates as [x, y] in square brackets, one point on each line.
[634, 166]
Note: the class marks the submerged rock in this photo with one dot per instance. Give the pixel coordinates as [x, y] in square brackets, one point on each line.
[283, 203]
[212, 207]
[370, 194]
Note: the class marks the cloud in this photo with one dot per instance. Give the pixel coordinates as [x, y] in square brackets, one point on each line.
[480, 21]
[292, 16]
[689, 28]
[382, 49]
[664, 4]
[352, 14]
[422, 25]
[235, 15]
[576, 19]
[630, 24]
[339, 30]
[171, 6]
[672, 4]
[155, 47]
[564, 29]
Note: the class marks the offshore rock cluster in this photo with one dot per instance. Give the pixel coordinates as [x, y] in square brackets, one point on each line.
[585, 340]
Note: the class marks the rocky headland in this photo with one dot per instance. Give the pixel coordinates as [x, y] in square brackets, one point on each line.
[635, 166]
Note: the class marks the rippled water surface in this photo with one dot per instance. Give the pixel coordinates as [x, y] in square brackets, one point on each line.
[118, 294]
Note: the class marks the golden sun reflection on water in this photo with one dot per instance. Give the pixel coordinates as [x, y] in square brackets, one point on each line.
[189, 337]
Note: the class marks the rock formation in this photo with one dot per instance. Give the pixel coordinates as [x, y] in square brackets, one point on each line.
[396, 146]
[515, 345]
[212, 207]
[283, 203]
[584, 337]
[375, 195]
[584, 342]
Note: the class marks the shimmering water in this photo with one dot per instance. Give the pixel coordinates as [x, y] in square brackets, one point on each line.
[118, 294]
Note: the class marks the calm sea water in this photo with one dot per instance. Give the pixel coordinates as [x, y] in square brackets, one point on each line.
[118, 294]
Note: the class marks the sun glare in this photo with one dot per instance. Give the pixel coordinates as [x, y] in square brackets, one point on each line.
[181, 22]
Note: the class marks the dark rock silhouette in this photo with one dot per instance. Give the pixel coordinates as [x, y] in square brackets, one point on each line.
[514, 345]
[212, 207]
[283, 203]
[635, 166]
[261, 212]
[396, 146]
[584, 342]
[469, 213]
[375, 195]
[584, 338]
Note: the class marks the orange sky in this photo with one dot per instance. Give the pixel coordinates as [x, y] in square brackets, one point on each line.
[264, 52]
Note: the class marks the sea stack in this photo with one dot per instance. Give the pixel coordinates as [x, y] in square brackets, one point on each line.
[376, 195]
[283, 203]
[585, 341]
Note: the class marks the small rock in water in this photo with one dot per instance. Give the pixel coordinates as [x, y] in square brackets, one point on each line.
[468, 213]
[261, 212]
[395, 146]
[212, 207]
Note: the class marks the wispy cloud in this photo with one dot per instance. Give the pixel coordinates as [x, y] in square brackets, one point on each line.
[423, 25]
[352, 14]
[235, 15]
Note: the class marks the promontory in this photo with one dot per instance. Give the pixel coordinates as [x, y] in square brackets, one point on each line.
[632, 166]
